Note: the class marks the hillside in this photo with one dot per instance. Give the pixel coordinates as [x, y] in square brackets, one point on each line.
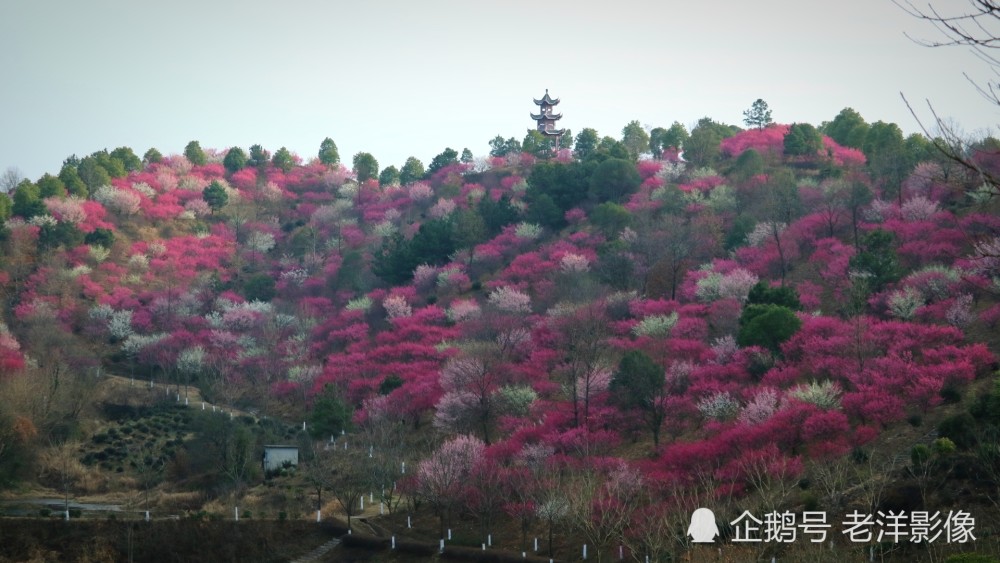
[577, 343]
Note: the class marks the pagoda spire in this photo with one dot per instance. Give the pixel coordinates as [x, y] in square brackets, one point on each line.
[546, 119]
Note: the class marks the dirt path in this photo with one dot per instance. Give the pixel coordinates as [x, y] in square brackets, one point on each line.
[184, 394]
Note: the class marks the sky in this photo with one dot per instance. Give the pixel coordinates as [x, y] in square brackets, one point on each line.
[400, 78]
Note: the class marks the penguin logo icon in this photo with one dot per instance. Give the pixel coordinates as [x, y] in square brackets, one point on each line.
[703, 528]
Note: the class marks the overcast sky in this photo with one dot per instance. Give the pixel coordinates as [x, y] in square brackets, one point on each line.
[405, 77]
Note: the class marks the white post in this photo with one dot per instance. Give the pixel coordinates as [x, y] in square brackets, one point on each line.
[403, 468]
[871, 553]
[147, 516]
[536, 545]
[408, 524]
[318, 517]
[362, 502]
[178, 397]
[524, 555]
[303, 426]
[489, 540]
[393, 542]
[441, 546]
[621, 554]
[484, 547]
[381, 508]
[371, 496]
[647, 559]
[230, 415]
[345, 444]
[203, 405]
[213, 408]
[331, 438]
[185, 401]
[236, 510]
[449, 534]
[584, 551]
[66, 513]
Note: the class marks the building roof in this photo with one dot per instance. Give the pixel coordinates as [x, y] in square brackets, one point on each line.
[540, 116]
[552, 132]
[280, 446]
[546, 100]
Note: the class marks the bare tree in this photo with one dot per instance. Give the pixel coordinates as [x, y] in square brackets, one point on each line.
[10, 179]
[601, 506]
[350, 479]
[976, 26]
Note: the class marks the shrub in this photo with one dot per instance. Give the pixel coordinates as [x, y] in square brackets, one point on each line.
[960, 429]
[767, 326]
[656, 325]
[720, 406]
[825, 395]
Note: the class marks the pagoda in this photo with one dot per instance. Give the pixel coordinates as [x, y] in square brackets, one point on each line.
[546, 119]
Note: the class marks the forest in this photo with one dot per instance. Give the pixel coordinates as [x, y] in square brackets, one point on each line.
[554, 345]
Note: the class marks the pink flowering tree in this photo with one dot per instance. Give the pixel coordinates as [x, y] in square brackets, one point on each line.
[442, 478]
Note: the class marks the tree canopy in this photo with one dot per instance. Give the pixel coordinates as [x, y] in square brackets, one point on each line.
[365, 166]
[235, 159]
[635, 139]
[412, 171]
[758, 116]
[328, 153]
[194, 153]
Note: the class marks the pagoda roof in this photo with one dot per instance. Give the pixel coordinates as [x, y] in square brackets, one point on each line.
[552, 132]
[547, 100]
[540, 116]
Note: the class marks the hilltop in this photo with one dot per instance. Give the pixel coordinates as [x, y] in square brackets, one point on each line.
[594, 340]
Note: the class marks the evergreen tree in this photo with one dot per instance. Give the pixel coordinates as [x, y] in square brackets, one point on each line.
[802, 139]
[328, 153]
[235, 160]
[365, 166]
[758, 116]
[195, 154]
[412, 171]
[215, 196]
[635, 139]
[283, 159]
[389, 177]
